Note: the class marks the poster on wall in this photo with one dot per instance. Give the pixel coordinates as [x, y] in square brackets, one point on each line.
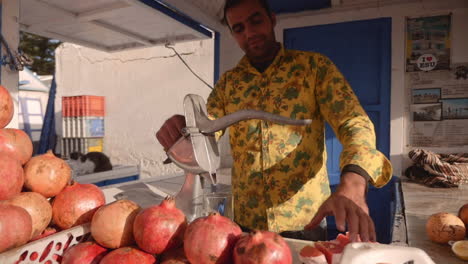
[428, 43]
[439, 107]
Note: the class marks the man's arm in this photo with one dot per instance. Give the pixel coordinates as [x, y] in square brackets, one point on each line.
[341, 109]
[360, 161]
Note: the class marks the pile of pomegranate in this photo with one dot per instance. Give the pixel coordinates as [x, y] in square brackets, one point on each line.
[39, 198]
[37, 195]
[161, 234]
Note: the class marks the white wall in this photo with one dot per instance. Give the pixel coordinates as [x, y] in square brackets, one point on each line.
[142, 88]
[399, 108]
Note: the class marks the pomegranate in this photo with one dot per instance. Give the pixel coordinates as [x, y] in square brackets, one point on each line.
[211, 239]
[47, 232]
[463, 214]
[15, 226]
[37, 206]
[76, 204]
[11, 177]
[174, 256]
[160, 227]
[443, 227]
[16, 143]
[46, 174]
[128, 255]
[84, 253]
[112, 224]
[6, 107]
[262, 247]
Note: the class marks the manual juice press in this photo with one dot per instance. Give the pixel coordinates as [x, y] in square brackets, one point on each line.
[198, 155]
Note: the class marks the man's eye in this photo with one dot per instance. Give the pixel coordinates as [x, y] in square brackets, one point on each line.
[257, 21]
[238, 29]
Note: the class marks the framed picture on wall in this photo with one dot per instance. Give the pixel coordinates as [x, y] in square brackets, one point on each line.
[426, 112]
[428, 43]
[455, 108]
[426, 96]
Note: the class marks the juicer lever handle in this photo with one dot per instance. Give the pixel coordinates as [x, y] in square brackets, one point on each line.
[208, 126]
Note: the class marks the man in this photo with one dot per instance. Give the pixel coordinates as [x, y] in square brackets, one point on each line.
[279, 176]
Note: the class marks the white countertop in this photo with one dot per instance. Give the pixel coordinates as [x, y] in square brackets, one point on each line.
[139, 192]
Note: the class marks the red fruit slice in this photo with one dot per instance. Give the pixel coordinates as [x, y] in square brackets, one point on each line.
[343, 239]
[331, 249]
[311, 255]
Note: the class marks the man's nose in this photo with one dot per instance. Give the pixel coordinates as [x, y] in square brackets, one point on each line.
[250, 31]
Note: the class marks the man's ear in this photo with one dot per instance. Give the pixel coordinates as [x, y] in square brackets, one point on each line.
[273, 19]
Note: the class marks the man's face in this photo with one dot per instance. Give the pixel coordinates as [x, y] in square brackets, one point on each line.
[252, 28]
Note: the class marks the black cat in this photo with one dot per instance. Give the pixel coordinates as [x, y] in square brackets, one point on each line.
[90, 163]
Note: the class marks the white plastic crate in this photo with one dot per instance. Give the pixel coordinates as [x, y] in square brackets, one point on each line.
[83, 127]
[48, 250]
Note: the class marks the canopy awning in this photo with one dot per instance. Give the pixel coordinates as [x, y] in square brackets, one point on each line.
[109, 25]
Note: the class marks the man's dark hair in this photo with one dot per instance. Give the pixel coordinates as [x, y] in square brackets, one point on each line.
[231, 3]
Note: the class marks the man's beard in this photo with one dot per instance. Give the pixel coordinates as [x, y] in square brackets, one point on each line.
[263, 52]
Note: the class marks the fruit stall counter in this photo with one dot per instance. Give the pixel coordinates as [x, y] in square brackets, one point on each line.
[410, 218]
[420, 202]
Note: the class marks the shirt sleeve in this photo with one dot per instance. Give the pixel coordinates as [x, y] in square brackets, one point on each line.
[341, 109]
[216, 102]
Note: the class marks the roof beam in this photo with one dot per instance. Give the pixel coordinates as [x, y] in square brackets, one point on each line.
[97, 13]
[123, 32]
[61, 37]
[102, 11]
[90, 17]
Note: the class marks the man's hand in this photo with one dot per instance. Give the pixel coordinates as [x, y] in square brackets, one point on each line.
[170, 131]
[348, 205]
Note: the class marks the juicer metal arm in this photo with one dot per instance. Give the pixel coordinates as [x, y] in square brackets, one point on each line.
[196, 115]
[207, 126]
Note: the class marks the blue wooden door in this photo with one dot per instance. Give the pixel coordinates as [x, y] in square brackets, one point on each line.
[362, 52]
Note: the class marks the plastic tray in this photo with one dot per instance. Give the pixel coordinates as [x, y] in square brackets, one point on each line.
[48, 250]
[368, 253]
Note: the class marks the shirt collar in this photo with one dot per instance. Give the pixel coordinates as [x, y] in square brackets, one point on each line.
[244, 63]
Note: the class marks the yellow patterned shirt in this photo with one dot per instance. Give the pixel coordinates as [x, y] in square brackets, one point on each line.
[279, 176]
